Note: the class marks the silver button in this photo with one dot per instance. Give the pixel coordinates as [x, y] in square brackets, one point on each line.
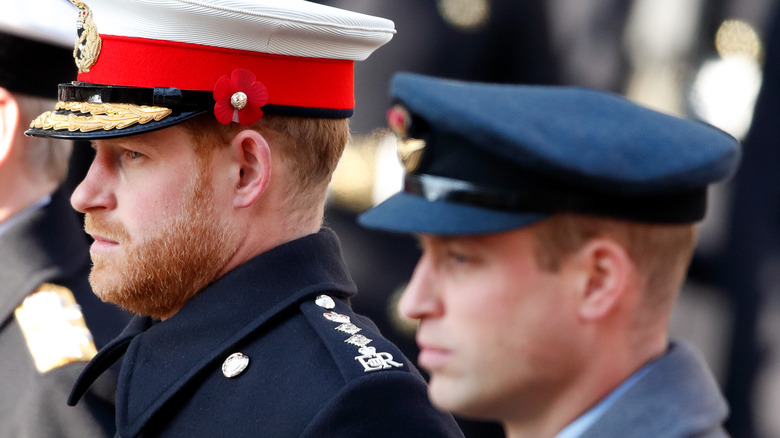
[235, 364]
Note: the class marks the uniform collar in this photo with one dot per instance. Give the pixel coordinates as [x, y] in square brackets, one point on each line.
[45, 244]
[163, 358]
[576, 428]
[22, 215]
[676, 397]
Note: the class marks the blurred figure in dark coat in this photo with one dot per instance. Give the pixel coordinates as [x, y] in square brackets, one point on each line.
[50, 321]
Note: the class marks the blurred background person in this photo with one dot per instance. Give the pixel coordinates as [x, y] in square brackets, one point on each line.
[50, 321]
[700, 59]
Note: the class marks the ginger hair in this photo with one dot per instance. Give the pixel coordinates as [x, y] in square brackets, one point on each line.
[310, 149]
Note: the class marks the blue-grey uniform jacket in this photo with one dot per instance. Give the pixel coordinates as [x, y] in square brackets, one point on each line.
[45, 251]
[677, 398]
[307, 366]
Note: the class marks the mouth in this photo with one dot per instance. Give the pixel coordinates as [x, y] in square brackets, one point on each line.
[102, 245]
[432, 357]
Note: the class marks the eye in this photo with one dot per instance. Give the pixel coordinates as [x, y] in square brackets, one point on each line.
[134, 155]
[459, 257]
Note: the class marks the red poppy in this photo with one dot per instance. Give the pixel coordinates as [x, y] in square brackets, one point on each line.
[398, 121]
[239, 98]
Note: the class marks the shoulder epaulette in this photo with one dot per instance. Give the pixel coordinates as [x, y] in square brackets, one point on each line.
[357, 349]
[54, 328]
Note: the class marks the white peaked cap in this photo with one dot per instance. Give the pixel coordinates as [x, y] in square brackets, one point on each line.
[282, 27]
[189, 57]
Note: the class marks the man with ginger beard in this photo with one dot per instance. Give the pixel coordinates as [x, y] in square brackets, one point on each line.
[557, 225]
[214, 145]
[160, 272]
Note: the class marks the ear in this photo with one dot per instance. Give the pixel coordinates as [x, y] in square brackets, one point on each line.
[9, 123]
[253, 156]
[608, 269]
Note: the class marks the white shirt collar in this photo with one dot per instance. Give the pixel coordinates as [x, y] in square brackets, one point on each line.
[577, 427]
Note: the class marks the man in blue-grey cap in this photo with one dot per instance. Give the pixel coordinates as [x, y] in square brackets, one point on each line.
[557, 227]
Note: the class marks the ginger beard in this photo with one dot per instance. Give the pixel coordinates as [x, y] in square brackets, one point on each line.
[158, 274]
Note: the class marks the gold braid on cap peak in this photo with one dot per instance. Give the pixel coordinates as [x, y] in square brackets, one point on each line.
[105, 116]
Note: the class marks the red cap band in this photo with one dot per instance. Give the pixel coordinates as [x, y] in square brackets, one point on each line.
[291, 81]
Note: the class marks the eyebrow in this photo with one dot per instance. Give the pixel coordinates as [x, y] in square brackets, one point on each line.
[433, 238]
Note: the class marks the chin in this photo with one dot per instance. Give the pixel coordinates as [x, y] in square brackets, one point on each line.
[445, 395]
[453, 396]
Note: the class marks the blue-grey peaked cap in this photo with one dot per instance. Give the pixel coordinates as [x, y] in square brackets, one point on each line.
[499, 157]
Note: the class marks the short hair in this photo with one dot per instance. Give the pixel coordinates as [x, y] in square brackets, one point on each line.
[310, 147]
[661, 252]
[45, 159]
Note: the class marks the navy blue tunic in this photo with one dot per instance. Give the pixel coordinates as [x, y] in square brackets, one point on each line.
[315, 368]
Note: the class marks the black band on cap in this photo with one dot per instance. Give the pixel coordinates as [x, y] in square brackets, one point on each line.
[686, 207]
[182, 100]
[176, 99]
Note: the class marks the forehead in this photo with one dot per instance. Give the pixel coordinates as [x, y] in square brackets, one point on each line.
[517, 239]
[169, 139]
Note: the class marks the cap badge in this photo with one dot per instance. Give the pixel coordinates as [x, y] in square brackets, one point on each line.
[239, 98]
[88, 43]
[234, 365]
[410, 150]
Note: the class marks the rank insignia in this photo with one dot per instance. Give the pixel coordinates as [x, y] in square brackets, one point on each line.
[369, 358]
[234, 365]
[373, 361]
[359, 340]
[54, 328]
[348, 327]
[88, 43]
[336, 317]
[325, 302]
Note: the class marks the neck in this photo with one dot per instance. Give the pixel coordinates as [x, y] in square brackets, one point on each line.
[259, 234]
[609, 364]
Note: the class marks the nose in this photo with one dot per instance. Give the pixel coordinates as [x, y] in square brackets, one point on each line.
[94, 192]
[421, 299]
